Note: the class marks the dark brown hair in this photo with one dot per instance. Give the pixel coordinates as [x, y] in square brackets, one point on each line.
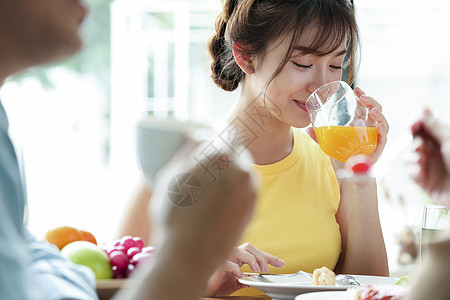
[257, 23]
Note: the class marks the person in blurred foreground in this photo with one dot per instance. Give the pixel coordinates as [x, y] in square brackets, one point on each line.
[194, 242]
[430, 281]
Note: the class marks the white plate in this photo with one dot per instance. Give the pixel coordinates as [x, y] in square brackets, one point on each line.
[337, 295]
[279, 287]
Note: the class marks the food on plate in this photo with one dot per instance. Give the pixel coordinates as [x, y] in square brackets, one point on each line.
[63, 235]
[404, 280]
[323, 276]
[90, 255]
[376, 292]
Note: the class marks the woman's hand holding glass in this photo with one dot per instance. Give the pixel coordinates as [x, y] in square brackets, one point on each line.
[347, 123]
[382, 126]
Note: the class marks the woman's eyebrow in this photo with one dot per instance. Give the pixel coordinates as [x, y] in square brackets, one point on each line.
[340, 53]
[302, 48]
[308, 50]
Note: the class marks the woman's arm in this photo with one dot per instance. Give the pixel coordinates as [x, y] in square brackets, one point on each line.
[363, 248]
[135, 220]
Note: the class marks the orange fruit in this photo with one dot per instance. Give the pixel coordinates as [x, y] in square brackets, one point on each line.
[87, 236]
[63, 235]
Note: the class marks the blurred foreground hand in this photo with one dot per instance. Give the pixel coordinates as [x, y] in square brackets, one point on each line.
[200, 207]
[432, 140]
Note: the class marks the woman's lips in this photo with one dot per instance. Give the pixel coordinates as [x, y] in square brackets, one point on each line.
[301, 105]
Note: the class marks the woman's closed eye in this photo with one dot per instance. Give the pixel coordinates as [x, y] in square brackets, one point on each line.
[336, 67]
[302, 66]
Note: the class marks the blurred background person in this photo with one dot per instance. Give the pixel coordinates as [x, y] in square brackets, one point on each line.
[430, 279]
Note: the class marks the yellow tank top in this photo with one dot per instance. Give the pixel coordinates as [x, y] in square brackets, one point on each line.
[295, 214]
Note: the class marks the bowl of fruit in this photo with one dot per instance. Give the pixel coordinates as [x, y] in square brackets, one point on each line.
[112, 263]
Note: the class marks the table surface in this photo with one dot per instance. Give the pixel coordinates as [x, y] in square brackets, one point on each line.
[239, 298]
[107, 288]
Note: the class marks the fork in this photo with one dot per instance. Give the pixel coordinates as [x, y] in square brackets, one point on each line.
[300, 272]
[340, 279]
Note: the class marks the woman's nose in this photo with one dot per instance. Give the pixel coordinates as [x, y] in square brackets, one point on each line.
[317, 80]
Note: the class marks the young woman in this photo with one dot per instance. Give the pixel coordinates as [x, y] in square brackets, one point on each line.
[277, 52]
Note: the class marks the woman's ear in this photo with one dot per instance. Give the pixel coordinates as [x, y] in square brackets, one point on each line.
[244, 62]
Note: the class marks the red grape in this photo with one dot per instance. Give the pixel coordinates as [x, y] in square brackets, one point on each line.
[128, 242]
[118, 249]
[139, 243]
[119, 259]
[139, 258]
[133, 251]
[118, 273]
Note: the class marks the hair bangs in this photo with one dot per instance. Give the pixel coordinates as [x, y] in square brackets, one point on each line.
[332, 32]
[329, 38]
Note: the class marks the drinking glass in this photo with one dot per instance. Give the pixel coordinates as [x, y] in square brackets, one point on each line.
[435, 219]
[341, 121]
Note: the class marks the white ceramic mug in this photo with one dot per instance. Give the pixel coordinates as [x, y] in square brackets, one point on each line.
[157, 140]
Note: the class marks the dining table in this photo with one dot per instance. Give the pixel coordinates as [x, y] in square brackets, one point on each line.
[107, 288]
[239, 298]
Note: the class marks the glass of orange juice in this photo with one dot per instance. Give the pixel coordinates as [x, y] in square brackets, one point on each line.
[341, 121]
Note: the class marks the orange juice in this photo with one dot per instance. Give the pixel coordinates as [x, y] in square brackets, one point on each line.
[343, 142]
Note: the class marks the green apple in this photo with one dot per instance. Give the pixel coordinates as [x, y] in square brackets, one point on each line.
[90, 255]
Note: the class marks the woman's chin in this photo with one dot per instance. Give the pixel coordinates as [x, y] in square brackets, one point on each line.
[301, 124]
